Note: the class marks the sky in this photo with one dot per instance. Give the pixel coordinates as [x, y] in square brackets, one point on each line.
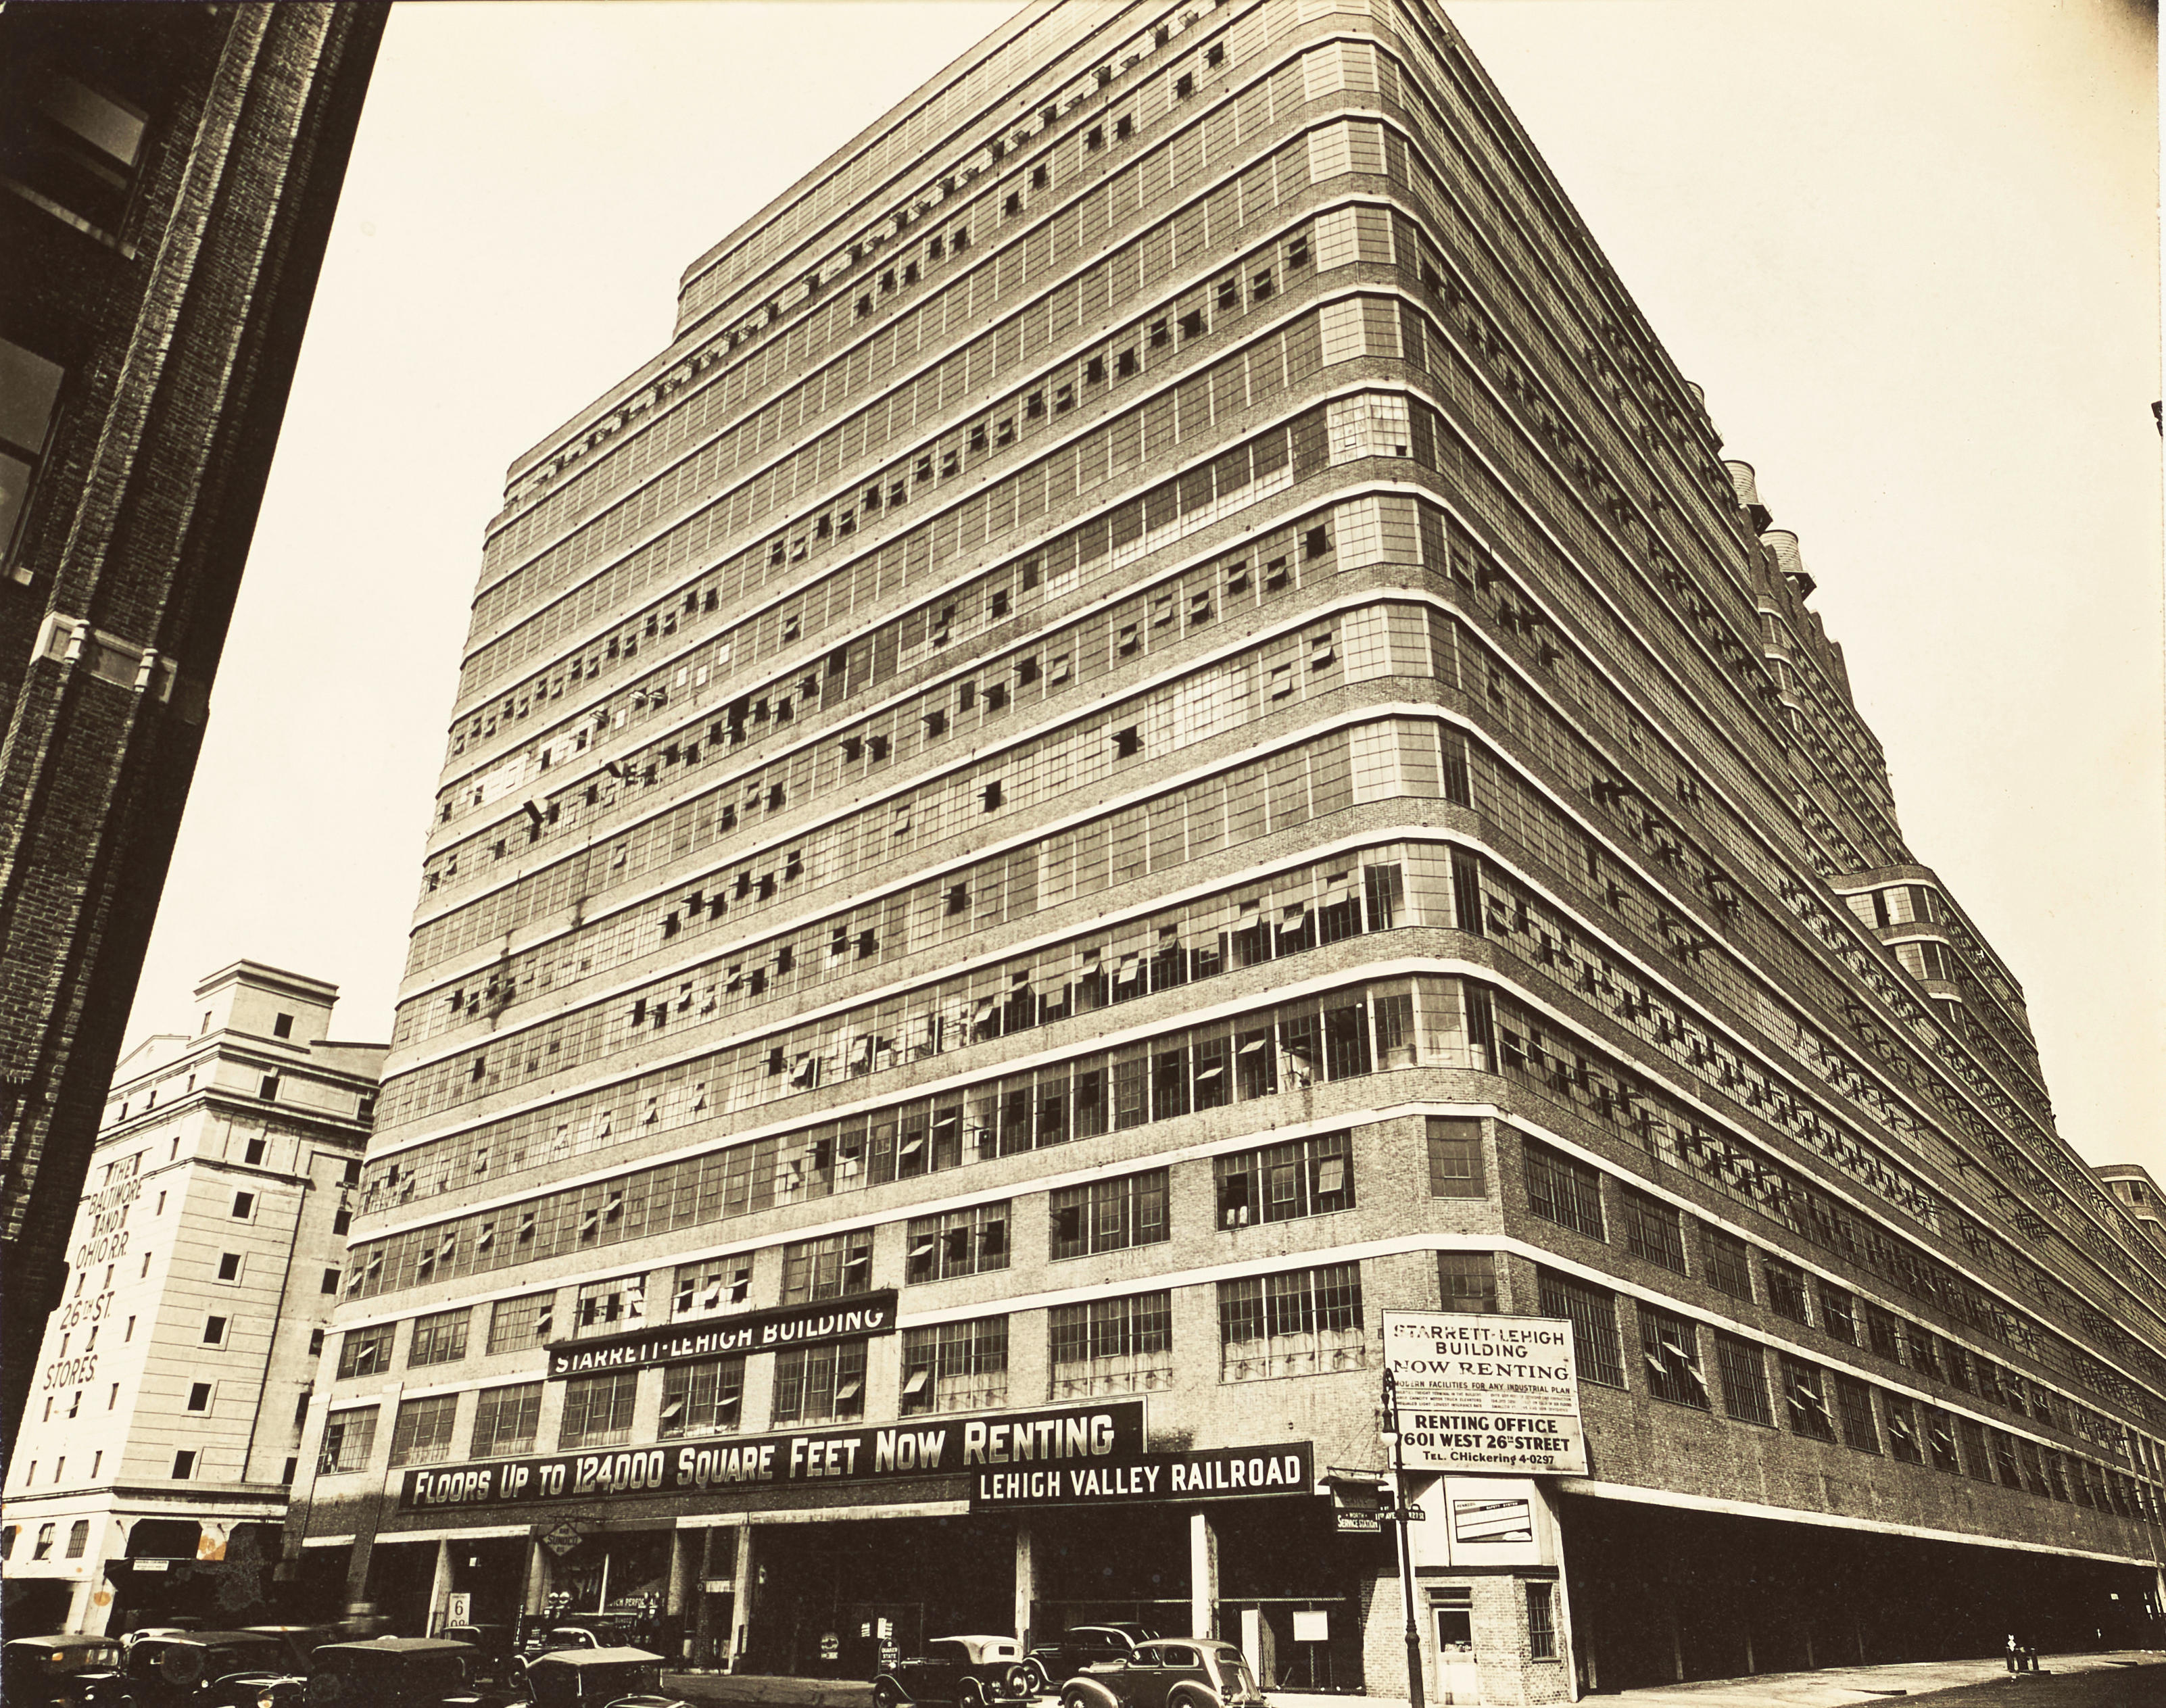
[1909, 249]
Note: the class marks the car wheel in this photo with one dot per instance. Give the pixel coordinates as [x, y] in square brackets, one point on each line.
[973, 1693]
[1076, 1699]
[885, 1696]
[1041, 1681]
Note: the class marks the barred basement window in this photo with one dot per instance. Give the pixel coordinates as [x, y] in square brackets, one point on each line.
[1729, 1262]
[422, 1435]
[1467, 1281]
[1654, 1229]
[1744, 1367]
[1804, 1393]
[1563, 1189]
[970, 1242]
[1299, 1323]
[955, 1366]
[440, 1339]
[517, 1324]
[1109, 1215]
[1854, 1399]
[1454, 1158]
[1299, 1178]
[1670, 1345]
[1786, 1287]
[504, 1419]
[365, 1351]
[1111, 1345]
[702, 1398]
[349, 1438]
[834, 1267]
[598, 1410]
[1592, 1312]
[1541, 1622]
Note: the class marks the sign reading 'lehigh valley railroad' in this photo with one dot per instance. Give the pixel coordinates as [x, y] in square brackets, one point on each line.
[745, 1331]
[1205, 1473]
[1483, 1393]
[919, 1447]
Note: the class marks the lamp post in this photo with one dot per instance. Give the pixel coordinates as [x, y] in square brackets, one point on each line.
[1399, 1509]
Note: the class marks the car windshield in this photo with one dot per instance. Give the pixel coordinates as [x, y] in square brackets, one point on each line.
[1235, 1666]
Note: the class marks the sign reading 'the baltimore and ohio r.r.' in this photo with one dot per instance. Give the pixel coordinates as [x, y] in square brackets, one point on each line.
[1481, 1392]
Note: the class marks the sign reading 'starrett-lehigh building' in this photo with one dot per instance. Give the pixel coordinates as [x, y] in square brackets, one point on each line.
[1483, 1393]
[747, 1332]
[926, 1446]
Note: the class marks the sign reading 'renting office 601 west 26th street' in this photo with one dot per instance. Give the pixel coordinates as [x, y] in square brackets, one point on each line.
[1480, 1392]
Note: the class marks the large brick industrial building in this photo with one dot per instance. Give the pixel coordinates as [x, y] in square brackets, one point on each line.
[1158, 730]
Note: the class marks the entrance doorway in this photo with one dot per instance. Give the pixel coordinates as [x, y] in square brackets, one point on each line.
[1458, 1670]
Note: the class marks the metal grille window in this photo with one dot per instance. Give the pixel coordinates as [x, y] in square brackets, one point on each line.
[1941, 1441]
[1670, 1345]
[1109, 1215]
[1466, 1280]
[1282, 1182]
[1563, 1190]
[422, 1435]
[440, 1339]
[1593, 1311]
[528, 1320]
[1111, 1345]
[1454, 1158]
[1654, 1229]
[1904, 1440]
[1804, 1395]
[366, 1352]
[819, 1384]
[712, 1285]
[605, 1307]
[1839, 1313]
[1729, 1262]
[955, 1366]
[962, 1242]
[349, 1438]
[1541, 1622]
[1854, 1399]
[1744, 1368]
[598, 1410]
[504, 1419]
[1786, 1287]
[1298, 1323]
[834, 1268]
[703, 1398]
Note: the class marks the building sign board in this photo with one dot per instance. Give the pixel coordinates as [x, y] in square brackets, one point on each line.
[1486, 1392]
[713, 1338]
[1111, 1434]
[1202, 1473]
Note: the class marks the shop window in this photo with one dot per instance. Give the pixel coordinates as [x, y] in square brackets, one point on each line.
[1593, 1313]
[349, 1438]
[365, 1351]
[1563, 1189]
[960, 1242]
[819, 1384]
[711, 1285]
[702, 1398]
[440, 1339]
[1111, 1345]
[955, 1366]
[1654, 1229]
[1301, 1322]
[1854, 1402]
[1455, 1157]
[1805, 1396]
[1467, 1281]
[505, 1420]
[1729, 1262]
[605, 1307]
[422, 1433]
[1304, 1177]
[1744, 1368]
[834, 1268]
[528, 1320]
[598, 1410]
[1669, 1346]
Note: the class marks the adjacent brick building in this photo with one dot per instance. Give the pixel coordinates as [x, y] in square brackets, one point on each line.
[168, 175]
[151, 1475]
[1159, 730]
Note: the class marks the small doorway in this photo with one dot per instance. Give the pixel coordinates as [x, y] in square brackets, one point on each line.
[1458, 1670]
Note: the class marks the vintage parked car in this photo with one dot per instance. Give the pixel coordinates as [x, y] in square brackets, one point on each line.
[971, 1671]
[1167, 1672]
[1082, 1646]
[397, 1672]
[599, 1678]
[59, 1672]
[493, 1645]
[208, 1669]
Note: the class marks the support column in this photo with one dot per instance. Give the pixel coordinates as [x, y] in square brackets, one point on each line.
[682, 1543]
[440, 1588]
[1026, 1585]
[741, 1601]
[538, 1574]
[1203, 1576]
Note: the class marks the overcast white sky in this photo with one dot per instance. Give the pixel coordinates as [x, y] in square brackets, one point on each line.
[1910, 249]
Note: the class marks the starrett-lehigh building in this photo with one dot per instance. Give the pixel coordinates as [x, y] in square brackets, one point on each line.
[1160, 731]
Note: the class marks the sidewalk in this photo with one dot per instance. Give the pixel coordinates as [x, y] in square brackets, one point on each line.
[1830, 1687]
